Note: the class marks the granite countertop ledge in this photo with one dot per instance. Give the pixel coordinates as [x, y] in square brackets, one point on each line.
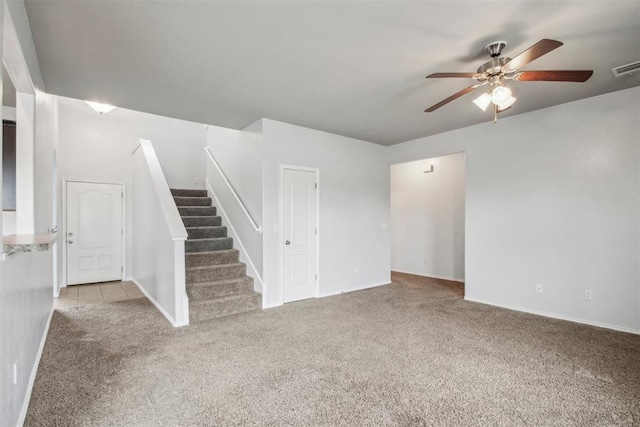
[27, 243]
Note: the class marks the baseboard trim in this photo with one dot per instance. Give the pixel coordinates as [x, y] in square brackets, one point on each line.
[158, 306]
[558, 316]
[34, 371]
[356, 288]
[451, 279]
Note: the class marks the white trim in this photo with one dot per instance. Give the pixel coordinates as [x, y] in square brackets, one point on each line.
[431, 276]
[236, 238]
[356, 288]
[135, 147]
[63, 226]
[158, 306]
[558, 316]
[34, 371]
[256, 227]
[316, 171]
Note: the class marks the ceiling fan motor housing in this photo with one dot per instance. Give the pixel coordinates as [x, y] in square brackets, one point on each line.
[495, 48]
[494, 66]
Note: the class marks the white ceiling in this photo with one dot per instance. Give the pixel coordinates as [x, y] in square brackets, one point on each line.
[352, 68]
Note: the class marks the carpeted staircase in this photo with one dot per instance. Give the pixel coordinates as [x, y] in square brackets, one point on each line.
[217, 284]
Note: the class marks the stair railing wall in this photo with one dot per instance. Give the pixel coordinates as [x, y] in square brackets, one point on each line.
[158, 237]
[242, 227]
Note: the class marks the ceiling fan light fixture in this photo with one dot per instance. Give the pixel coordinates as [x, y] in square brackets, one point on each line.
[483, 101]
[506, 104]
[500, 95]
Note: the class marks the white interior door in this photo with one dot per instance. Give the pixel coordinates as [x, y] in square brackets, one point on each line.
[299, 234]
[94, 232]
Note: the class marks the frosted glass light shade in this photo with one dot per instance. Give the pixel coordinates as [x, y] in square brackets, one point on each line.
[100, 108]
[483, 101]
[500, 95]
[506, 104]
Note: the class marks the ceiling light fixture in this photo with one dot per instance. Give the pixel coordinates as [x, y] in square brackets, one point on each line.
[500, 96]
[483, 101]
[100, 108]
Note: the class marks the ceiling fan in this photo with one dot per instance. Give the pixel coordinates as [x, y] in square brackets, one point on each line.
[500, 69]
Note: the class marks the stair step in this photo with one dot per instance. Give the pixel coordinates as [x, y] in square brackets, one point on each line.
[214, 308]
[206, 245]
[199, 259]
[202, 221]
[213, 273]
[179, 192]
[197, 210]
[206, 232]
[221, 288]
[192, 201]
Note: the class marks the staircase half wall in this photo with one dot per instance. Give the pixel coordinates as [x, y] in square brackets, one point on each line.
[158, 237]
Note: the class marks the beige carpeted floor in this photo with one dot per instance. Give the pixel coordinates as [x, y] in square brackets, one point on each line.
[412, 353]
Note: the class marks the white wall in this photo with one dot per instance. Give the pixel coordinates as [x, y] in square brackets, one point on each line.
[25, 278]
[239, 155]
[552, 197]
[158, 238]
[427, 217]
[354, 204]
[25, 306]
[96, 147]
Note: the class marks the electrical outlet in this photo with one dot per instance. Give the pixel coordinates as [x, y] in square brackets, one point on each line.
[588, 295]
[426, 260]
[539, 287]
[357, 269]
[15, 373]
[195, 180]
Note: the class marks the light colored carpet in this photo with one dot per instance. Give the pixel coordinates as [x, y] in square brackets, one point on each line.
[412, 353]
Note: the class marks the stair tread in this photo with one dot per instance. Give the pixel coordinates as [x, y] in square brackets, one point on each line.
[210, 238]
[231, 297]
[205, 226]
[202, 267]
[212, 252]
[220, 282]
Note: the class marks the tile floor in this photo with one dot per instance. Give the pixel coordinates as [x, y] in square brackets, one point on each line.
[96, 293]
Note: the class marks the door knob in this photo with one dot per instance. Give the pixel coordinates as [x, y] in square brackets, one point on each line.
[70, 241]
[287, 242]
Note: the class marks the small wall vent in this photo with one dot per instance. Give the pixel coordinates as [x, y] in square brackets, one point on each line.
[626, 69]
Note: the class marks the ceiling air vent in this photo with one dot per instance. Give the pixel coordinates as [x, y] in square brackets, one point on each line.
[626, 69]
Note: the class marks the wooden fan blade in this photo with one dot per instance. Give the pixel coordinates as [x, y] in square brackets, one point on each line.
[543, 47]
[554, 76]
[451, 98]
[446, 75]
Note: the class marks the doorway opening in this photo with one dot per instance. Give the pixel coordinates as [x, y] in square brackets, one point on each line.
[9, 153]
[428, 218]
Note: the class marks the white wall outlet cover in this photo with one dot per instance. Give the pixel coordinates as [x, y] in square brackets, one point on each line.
[539, 287]
[383, 226]
[275, 228]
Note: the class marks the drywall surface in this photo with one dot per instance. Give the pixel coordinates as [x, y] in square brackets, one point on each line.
[239, 156]
[46, 145]
[354, 207]
[427, 217]
[94, 147]
[552, 198]
[158, 237]
[26, 301]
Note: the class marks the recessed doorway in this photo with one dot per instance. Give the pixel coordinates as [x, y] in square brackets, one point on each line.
[428, 217]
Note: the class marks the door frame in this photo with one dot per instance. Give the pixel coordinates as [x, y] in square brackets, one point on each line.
[63, 239]
[316, 171]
